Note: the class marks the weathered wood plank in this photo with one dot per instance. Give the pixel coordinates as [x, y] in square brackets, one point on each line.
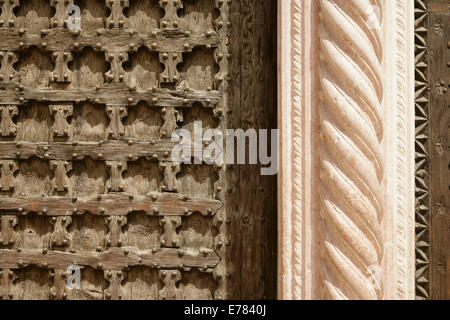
[114, 258]
[107, 150]
[105, 40]
[113, 204]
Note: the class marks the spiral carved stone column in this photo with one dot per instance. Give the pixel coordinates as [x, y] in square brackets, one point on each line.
[351, 156]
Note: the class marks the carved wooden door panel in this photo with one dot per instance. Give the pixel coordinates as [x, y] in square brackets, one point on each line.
[439, 77]
[86, 177]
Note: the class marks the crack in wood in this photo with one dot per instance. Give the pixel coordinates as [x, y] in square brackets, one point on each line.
[60, 236]
[156, 40]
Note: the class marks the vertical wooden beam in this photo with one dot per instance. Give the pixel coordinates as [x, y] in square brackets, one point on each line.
[116, 114]
[115, 225]
[60, 169]
[116, 59]
[58, 290]
[7, 72]
[170, 278]
[170, 60]
[60, 235]
[170, 237]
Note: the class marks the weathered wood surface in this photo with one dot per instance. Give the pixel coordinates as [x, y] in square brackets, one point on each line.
[111, 95]
[105, 40]
[77, 103]
[114, 258]
[114, 204]
[106, 150]
[439, 155]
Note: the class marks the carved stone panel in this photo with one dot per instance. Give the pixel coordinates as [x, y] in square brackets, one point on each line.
[87, 180]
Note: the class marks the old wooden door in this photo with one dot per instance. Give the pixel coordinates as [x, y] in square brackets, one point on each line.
[86, 177]
[433, 157]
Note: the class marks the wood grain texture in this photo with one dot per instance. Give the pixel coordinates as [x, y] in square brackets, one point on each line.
[250, 197]
[86, 173]
[439, 156]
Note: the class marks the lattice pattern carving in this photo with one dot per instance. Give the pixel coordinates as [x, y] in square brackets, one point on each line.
[7, 72]
[61, 113]
[60, 235]
[7, 170]
[115, 279]
[117, 18]
[115, 181]
[7, 229]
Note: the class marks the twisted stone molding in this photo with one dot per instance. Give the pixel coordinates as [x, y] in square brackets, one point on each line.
[346, 177]
[351, 154]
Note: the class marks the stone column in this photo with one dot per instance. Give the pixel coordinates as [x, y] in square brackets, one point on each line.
[346, 179]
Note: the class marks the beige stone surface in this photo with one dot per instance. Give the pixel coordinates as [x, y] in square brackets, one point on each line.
[346, 179]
